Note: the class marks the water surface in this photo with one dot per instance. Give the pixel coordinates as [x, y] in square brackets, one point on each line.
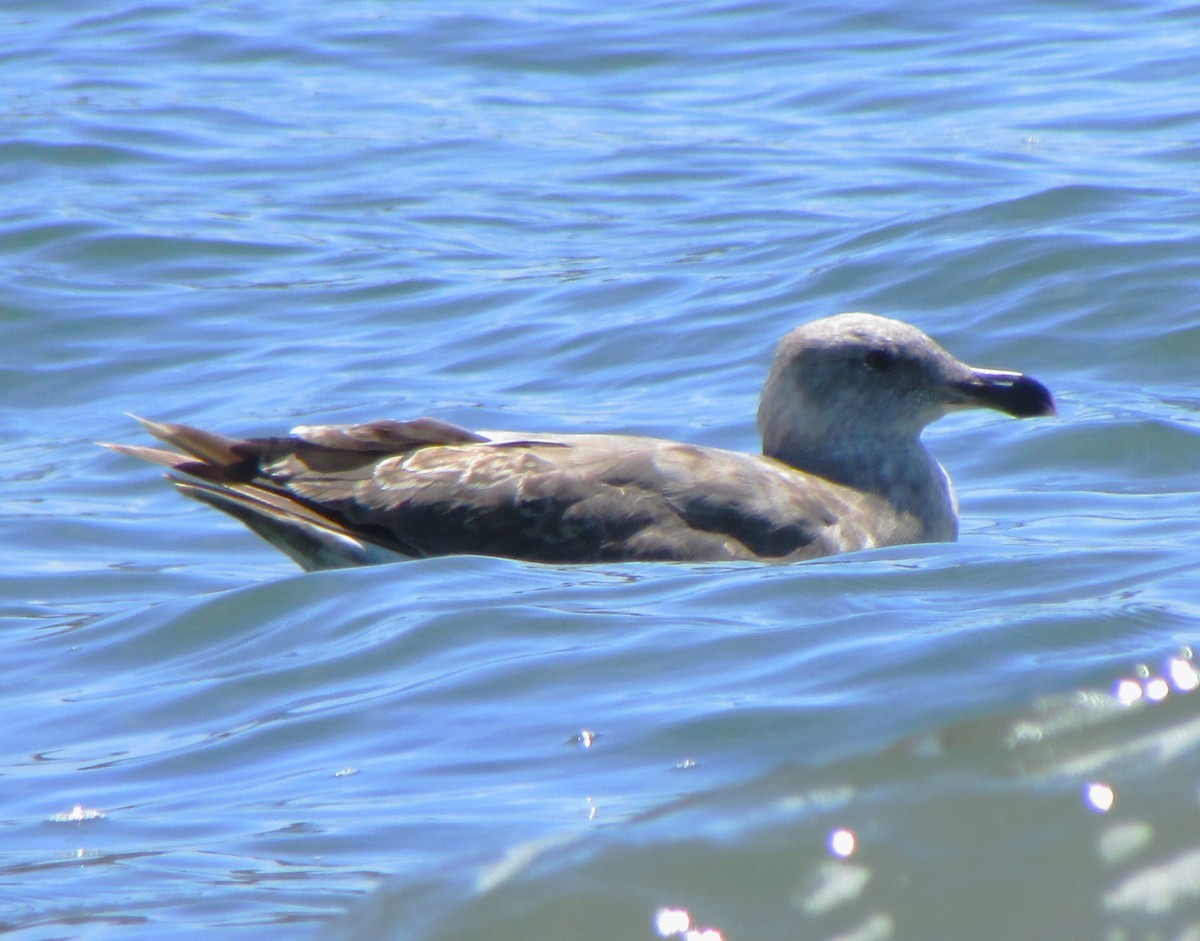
[560, 217]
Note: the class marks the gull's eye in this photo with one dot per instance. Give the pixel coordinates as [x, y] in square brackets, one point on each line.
[879, 360]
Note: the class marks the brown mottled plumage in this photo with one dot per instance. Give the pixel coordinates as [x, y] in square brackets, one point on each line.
[843, 468]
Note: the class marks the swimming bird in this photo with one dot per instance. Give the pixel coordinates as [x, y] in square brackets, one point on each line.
[842, 468]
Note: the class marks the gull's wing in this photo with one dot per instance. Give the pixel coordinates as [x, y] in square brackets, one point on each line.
[330, 496]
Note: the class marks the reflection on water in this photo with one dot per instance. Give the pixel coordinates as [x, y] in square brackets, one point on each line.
[1001, 798]
[568, 218]
[677, 923]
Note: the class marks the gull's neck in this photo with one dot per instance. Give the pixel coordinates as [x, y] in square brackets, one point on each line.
[897, 468]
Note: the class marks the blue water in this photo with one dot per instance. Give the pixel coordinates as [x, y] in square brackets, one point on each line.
[571, 217]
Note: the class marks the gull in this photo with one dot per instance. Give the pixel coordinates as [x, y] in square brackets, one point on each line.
[842, 468]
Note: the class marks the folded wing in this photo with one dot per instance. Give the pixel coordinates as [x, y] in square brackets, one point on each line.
[332, 496]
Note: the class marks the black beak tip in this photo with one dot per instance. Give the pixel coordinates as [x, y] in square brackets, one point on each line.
[1028, 398]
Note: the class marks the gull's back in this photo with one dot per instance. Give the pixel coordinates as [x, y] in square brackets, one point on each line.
[556, 498]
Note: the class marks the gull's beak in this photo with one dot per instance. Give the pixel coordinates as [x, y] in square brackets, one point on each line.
[1011, 392]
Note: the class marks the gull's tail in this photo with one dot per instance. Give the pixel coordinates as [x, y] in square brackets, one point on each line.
[224, 473]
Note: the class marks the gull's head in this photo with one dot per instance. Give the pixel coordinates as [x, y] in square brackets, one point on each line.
[868, 377]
